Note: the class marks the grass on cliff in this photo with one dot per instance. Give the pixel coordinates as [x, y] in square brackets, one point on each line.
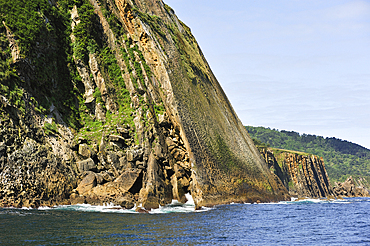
[93, 129]
[50, 128]
[43, 32]
[10, 83]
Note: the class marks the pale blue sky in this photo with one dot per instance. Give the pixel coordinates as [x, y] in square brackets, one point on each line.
[298, 65]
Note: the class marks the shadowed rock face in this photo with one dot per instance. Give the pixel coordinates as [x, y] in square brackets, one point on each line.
[154, 122]
[303, 175]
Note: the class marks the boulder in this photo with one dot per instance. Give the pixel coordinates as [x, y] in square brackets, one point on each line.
[75, 199]
[100, 112]
[87, 183]
[170, 143]
[86, 165]
[118, 191]
[99, 178]
[107, 190]
[141, 210]
[85, 151]
[126, 201]
[179, 154]
[128, 178]
[113, 159]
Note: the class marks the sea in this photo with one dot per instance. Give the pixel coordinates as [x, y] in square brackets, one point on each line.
[296, 222]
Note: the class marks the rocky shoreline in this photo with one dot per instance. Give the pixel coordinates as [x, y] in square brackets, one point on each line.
[115, 103]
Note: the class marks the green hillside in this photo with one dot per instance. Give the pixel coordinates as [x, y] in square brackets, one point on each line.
[342, 158]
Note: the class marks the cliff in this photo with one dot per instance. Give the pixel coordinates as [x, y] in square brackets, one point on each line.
[303, 175]
[342, 158]
[113, 101]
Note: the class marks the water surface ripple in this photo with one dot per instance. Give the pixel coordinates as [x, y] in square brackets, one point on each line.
[308, 222]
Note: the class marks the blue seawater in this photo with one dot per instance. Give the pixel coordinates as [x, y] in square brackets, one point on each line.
[307, 222]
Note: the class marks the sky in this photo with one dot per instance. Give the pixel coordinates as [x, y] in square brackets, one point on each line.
[296, 65]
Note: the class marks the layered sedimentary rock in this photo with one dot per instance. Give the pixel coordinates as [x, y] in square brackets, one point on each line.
[128, 112]
[303, 175]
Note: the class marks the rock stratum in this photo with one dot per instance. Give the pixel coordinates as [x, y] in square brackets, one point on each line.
[113, 102]
[304, 175]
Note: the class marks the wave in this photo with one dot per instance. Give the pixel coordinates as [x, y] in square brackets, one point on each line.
[307, 200]
[174, 207]
[295, 200]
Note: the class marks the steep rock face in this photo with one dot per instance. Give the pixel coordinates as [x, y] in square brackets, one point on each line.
[214, 137]
[127, 112]
[303, 175]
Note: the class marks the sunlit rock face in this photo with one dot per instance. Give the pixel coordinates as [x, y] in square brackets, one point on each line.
[120, 106]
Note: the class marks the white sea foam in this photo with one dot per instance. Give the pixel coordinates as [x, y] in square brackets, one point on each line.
[295, 200]
[107, 208]
[190, 199]
[174, 207]
[178, 207]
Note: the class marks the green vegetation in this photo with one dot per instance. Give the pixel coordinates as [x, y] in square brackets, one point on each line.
[153, 21]
[259, 144]
[97, 95]
[132, 49]
[86, 32]
[10, 83]
[114, 24]
[94, 129]
[50, 128]
[159, 109]
[43, 32]
[342, 158]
